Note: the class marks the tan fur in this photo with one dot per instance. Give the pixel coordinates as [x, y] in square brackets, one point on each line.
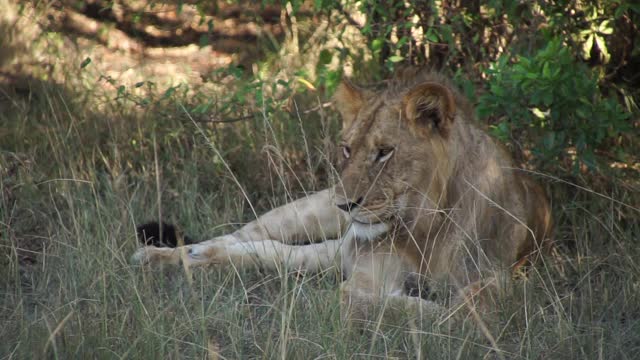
[422, 189]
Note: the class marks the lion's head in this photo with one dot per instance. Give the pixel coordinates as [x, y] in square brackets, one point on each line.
[396, 149]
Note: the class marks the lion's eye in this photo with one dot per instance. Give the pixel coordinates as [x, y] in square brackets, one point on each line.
[384, 153]
[346, 151]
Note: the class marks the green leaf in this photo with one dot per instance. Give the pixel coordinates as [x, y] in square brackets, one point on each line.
[376, 45]
[539, 113]
[602, 45]
[586, 47]
[203, 41]
[605, 28]
[586, 32]
[85, 62]
[432, 36]
[582, 113]
[396, 58]
[545, 70]
[547, 98]
[169, 92]
[325, 57]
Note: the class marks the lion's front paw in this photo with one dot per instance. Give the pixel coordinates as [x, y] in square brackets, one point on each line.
[202, 254]
[151, 255]
[190, 255]
[141, 257]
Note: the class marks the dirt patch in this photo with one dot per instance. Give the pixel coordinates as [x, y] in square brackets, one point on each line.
[131, 41]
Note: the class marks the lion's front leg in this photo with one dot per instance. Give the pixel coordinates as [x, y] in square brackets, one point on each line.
[311, 218]
[264, 240]
[267, 253]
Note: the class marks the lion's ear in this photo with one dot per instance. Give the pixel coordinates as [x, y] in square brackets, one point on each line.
[428, 106]
[348, 100]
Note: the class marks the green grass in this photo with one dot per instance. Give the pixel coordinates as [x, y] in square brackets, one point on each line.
[75, 182]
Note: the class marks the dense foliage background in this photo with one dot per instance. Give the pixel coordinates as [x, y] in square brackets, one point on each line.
[118, 112]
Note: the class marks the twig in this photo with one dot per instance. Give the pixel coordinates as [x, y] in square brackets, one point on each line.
[214, 119]
[318, 107]
[350, 19]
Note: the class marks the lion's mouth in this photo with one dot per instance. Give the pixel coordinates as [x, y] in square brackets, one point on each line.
[370, 223]
[370, 215]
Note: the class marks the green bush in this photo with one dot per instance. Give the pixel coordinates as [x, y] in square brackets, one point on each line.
[555, 102]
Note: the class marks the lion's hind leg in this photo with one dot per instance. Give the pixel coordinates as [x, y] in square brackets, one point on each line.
[377, 284]
[363, 306]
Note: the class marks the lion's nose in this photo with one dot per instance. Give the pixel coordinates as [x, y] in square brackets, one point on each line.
[348, 206]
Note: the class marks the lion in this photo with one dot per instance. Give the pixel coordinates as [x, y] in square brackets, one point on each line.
[423, 193]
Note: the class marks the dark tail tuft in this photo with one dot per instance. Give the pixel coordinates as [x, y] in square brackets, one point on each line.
[149, 234]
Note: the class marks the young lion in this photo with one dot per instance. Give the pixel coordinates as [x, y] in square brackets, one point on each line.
[422, 190]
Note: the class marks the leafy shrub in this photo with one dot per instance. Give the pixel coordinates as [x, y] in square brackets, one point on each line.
[556, 102]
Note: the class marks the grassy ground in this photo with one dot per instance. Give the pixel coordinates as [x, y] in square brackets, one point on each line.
[76, 182]
[80, 170]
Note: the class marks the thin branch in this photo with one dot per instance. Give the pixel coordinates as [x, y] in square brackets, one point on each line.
[350, 19]
[215, 119]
